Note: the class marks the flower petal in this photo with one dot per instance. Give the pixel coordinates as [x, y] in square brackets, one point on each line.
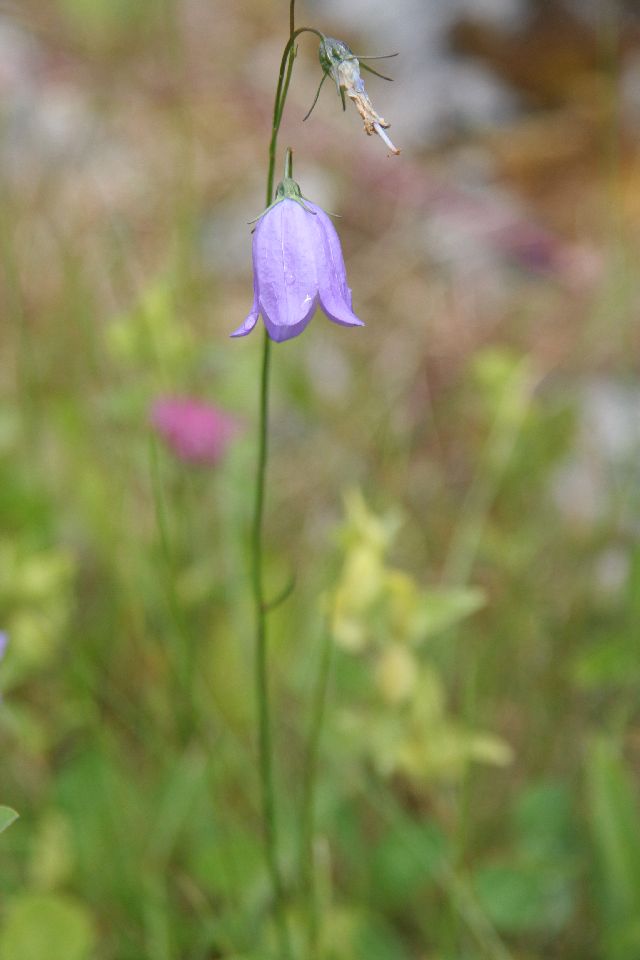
[249, 323]
[286, 247]
[335, 295]
[280, 332]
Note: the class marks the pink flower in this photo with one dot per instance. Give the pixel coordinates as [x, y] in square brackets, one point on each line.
[196, 432]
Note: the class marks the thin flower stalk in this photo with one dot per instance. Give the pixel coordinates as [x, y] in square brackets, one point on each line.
[265, 746]
[311, 273]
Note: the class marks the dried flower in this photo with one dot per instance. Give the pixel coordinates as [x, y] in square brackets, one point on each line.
[297, 265]
[196, 432]
[339, 62]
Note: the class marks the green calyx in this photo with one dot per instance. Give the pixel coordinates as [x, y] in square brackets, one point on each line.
[332, 52]
[287, 189]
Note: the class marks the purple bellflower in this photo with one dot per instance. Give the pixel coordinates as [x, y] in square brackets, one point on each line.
[297, 266]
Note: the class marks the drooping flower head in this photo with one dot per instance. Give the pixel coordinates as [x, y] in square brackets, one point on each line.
[297, 266]
[339, 62]
[196, 432]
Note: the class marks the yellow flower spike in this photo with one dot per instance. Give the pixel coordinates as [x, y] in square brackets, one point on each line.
[349, 633]
[362, 578]
[488, 748]
[403, 596]
[364, 526]
[428, 706]
[396, 674]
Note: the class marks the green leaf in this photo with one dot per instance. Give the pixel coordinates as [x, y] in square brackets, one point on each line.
[613, 660]
[399, 874]
[46, 927]
[7, 816]
[544, 824]
[614, 817]
[444, 608]
[376, 940]
[524, 900]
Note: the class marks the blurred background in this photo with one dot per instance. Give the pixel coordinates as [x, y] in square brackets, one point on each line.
[456, 486]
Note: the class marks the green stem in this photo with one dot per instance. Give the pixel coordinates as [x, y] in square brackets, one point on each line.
[262, 686]
[505, 430]
[181, 651]
[463, 552]
[309, 783]
[24, 376]
[453, 882]
[286, 66]
[288, 164]
[265, 742]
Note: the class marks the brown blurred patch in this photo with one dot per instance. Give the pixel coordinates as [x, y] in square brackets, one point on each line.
[550, 60]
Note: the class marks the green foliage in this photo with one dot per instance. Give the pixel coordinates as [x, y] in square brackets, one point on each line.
[150, 334]
[524, 900]
[103, 23]
[545, 824]
[376, 940]
[611, 658]
[532, 890]
[399, 876]
[35, 597]
[52, 861]
[7, 817]
[381, 615]
[614, 815]
[469, 804]
[46, 927]
[130, 705]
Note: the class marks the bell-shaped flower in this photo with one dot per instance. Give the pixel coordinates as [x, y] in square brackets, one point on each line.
[297, 266]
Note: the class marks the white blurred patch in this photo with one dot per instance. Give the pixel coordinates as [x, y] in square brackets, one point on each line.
[611, 571]
[435, 91]
[327, 367]
[19, 61]
[225, 238]
[600, 481]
